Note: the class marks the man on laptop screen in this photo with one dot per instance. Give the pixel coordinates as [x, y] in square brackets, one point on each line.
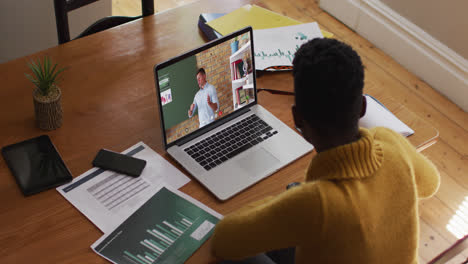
[212, 124]
[206, 100]
[212, 94]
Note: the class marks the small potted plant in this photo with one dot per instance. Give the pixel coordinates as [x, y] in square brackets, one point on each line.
[46, 95]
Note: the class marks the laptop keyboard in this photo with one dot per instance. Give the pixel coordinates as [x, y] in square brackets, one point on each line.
[227, 143]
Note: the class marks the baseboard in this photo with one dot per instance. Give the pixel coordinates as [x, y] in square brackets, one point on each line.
[347, 11]
[423, 55]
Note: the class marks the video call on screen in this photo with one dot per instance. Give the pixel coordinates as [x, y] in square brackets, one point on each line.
[229, 75]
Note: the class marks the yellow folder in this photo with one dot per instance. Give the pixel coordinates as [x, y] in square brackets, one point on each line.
[255, 16]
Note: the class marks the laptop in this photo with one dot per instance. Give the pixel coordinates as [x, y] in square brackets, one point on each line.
[212, 123]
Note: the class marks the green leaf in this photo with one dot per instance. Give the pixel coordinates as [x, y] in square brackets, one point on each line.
[57, 74]
[40, 70]
[36, 73]
[31, 65]
[46, 67]
[45, 74]
[34, 81]
[37, 70]
[53, 69]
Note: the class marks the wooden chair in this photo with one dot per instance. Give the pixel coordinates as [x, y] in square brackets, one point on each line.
[62, 7]
[452, 252]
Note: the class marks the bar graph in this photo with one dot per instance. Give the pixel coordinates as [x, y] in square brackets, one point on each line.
[162, 236]
[166, 229]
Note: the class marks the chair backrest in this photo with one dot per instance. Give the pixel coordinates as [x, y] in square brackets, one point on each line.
[453, 251]
[62, 7]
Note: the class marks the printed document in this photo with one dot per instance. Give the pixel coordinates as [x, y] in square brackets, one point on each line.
[277, 46]
[108, 198]
[170, 227]
[378, 115]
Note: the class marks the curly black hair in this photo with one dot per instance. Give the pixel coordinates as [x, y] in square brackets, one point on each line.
[328, 83]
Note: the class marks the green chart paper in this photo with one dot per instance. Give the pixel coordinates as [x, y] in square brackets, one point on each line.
[166, 229]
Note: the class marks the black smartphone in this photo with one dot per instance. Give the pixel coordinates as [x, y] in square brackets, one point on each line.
[121, 163]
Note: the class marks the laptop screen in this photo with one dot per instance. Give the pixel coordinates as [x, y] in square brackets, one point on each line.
[201, 87]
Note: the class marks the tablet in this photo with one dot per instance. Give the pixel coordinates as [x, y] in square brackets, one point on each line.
[36, 165]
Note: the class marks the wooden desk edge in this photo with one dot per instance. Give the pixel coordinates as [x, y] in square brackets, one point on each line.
[428, 143]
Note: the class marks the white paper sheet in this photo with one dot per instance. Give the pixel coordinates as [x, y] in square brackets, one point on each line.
[108, 198]
[377, 115]
[277, 46]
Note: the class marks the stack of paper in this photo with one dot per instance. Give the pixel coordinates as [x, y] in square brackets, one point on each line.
[276, 37]
[254, 16]
[145, 219]
[108, 198]
[377, 115]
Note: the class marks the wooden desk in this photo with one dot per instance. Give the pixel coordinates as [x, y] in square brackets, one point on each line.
[109, 101]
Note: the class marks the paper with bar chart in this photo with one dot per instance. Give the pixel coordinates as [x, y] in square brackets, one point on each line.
[108, 198]
[168, 228]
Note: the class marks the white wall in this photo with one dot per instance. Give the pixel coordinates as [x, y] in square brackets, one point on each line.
[447, 21]
[28, 26]
[431, 59]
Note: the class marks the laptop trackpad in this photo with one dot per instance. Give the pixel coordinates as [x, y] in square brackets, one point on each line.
[257, 162]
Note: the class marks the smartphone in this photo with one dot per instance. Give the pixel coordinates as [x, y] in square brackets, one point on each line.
[121, 163]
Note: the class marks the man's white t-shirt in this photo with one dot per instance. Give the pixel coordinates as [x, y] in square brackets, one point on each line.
[206, 115]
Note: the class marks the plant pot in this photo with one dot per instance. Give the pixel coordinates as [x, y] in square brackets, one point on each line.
[48, 109]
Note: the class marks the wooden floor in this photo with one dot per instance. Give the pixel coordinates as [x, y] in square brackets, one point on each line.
[450, 154]
[133, 7]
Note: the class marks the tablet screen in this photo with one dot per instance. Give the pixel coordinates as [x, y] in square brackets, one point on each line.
[36, 165]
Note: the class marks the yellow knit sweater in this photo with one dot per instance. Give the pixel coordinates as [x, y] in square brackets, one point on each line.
[358, 205]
